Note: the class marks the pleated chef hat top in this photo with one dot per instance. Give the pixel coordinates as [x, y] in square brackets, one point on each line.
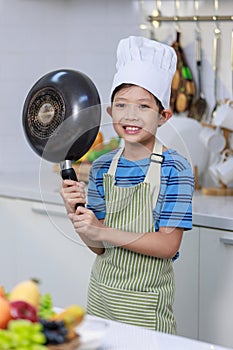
[146, 63]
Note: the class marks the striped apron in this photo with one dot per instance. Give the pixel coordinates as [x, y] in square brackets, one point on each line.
[126, 286]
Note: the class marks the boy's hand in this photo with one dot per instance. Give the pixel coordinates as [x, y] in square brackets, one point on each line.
[86, 224]
[72, 193]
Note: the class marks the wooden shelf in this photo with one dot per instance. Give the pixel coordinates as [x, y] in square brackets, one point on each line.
[216, 191]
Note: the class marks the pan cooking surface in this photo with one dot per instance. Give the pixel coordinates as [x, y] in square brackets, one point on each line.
[45, 113]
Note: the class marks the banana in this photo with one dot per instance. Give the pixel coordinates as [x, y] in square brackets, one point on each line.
[71, 316]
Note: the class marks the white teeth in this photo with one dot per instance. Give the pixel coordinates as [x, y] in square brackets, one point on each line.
[131, 128]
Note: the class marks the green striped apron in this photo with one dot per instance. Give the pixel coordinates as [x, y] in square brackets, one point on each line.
[126, 286]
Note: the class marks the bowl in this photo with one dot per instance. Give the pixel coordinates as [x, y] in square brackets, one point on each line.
[92, 332]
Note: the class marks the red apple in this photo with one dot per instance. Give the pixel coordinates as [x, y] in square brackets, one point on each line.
[23, 310]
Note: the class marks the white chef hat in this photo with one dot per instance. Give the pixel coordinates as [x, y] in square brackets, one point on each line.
[146, 63]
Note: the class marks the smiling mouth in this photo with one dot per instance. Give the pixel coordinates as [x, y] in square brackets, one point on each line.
[131, 129]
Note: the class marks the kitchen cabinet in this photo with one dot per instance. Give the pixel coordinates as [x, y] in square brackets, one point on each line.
[216, 287]
[186, 270]
[204, 286]
[37, 240]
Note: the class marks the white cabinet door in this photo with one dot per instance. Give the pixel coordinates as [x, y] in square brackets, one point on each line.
[216, 287]
[187, 285]
[38, 240]
[8, 246]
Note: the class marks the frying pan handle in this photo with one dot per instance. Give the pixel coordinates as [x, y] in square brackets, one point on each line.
[68, 173]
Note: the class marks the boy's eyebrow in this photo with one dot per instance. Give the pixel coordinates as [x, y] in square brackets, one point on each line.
[139, 100]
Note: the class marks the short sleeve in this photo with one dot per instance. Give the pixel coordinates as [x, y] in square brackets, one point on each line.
[95, 192]
[176, 199]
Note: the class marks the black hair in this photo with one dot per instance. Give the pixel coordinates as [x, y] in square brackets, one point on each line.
[125, 85]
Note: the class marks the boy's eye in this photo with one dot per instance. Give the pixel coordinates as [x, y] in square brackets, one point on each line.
[119, 105]
[142, 106]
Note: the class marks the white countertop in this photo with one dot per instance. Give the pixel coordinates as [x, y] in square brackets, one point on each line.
[120, 336]
[208, 211]
[213, 211]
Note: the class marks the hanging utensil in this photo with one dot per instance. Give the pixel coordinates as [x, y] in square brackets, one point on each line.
[155, 24]
[232, 64]
[183, 87]
[198, 109]
[216, 56]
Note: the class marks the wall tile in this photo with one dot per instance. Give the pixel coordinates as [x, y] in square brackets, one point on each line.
[38, 36]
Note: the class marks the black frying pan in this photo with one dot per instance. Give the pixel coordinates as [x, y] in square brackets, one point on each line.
[61, 117]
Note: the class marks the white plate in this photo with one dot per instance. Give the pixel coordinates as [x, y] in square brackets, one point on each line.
[92, 332]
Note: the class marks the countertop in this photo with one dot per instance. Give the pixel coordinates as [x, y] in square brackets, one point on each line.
[120, 336]
[208, 211]
[213, 211]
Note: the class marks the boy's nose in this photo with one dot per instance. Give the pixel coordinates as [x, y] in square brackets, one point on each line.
[131, 111]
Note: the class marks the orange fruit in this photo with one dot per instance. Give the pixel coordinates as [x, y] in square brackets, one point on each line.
[2, 292]
[5, 314]
[97, 145]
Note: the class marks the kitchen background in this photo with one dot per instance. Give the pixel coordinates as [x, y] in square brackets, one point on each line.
[41, 36]
[38, 36]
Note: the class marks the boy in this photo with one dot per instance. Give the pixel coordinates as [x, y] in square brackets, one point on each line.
[139, 197]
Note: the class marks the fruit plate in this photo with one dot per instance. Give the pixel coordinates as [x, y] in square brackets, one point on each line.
[71, 345]
[92, 332]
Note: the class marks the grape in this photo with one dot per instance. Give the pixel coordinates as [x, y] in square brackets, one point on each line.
[46, 306]
[22, 335]
[54, 331]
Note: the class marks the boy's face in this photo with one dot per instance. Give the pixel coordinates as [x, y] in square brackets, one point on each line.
[135, 115]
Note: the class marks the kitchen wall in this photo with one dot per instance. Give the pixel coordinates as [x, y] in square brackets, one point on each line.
[167, 32]
[37, 36]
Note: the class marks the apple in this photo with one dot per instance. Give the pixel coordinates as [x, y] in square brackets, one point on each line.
[23, 310]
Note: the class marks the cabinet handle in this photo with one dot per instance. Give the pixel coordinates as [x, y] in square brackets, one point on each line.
[54, 212]
[227, 241]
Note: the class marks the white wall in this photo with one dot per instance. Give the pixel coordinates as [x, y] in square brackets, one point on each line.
[37, 36]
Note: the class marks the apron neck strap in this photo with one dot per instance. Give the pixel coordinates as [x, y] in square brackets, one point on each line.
[153, 176]
[156, 158]
[154, 171]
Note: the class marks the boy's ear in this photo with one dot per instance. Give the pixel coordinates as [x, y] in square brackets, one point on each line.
[164, 116]
[109, 110]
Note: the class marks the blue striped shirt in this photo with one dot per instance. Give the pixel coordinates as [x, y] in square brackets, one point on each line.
[174, 204]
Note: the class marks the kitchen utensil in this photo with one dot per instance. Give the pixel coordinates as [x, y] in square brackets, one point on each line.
[155, 24]
[61, 117]
[182, 134]
[216, 55]
[212, 139]
[183, 88]
[224, 115]
[225, 167]
[198, 108]
[232, 64]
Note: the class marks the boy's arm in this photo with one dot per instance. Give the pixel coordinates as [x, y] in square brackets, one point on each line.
[162, 244]
[94, 246]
